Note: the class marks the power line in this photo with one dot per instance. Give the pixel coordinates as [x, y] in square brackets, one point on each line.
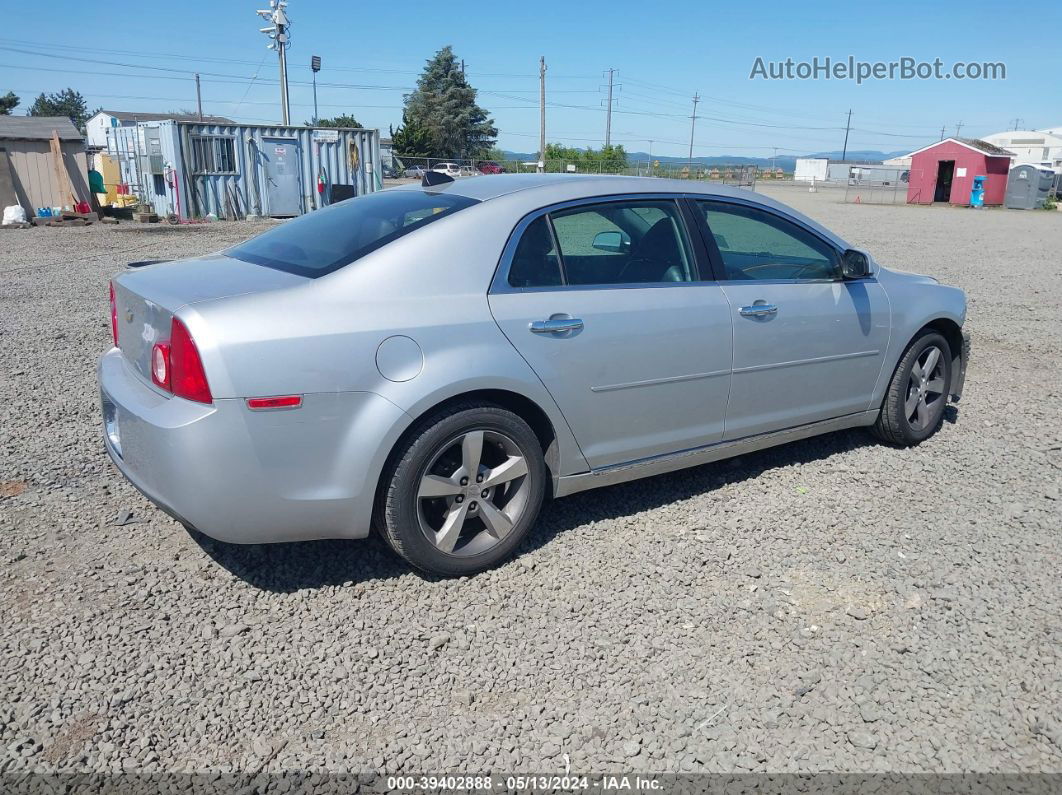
[216, 59]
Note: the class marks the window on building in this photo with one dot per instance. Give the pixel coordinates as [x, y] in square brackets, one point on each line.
[214, 154]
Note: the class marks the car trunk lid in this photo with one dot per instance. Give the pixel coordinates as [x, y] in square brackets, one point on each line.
[147, 299]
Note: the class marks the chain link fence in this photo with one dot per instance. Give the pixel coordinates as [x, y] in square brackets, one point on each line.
[737, 174]
[878, 191]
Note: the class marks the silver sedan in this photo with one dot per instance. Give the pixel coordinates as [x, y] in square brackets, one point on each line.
[437, 359]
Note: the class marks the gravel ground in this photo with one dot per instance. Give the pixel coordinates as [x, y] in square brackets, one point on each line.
[831, 605]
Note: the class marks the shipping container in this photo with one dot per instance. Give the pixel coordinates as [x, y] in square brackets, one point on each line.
[198, 169]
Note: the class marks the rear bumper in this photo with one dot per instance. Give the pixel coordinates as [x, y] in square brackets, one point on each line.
[250, 477]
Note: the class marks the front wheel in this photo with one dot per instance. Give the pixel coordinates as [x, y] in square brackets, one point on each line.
[918, 392]
[464, 490]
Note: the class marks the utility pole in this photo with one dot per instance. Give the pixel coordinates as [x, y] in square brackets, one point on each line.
[693, 126]
[847, 127]
[278, 33]
[541, 114]
[608, 110]
[774, 157]
[958, 128]
[198, 97]
[942, 132]
[1018, 122]
[315, 67]
[649, 170]
[462, 66]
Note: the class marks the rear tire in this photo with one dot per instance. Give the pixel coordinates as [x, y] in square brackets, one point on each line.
[914, 403]
[463, 490]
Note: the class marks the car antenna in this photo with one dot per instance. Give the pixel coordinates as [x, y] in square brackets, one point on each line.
[431, 178]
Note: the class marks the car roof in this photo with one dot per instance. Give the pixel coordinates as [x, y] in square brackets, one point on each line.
[546, 189]
[486, 188]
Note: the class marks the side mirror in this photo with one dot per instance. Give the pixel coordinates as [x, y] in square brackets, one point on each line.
[613, 242]
[855, 264]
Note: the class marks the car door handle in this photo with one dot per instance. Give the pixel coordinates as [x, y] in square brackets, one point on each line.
[556, 326]
[758, 310]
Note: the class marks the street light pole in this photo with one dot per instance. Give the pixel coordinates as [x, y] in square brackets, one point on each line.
[315, 66]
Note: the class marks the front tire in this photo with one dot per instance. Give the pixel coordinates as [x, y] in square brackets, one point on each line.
[463, 490]
[914, 403]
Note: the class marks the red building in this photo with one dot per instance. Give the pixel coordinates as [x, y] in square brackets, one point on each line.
[944, 171]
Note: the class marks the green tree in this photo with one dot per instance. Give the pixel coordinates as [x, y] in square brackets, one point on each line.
[445, 104]
[411, 139]
[607, 160]
[67, 102]
[346, 120]
[8, 103]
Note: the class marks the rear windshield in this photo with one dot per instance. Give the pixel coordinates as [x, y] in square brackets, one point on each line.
[327, 239]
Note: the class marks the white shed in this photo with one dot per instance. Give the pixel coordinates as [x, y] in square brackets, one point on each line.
[811, 169]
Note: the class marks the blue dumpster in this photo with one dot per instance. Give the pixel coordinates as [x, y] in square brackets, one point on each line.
[977, 195]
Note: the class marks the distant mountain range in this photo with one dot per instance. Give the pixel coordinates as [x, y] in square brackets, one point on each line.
[785, 162]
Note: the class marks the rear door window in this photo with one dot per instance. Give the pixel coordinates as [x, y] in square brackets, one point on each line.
[325, 240]
[619, 242]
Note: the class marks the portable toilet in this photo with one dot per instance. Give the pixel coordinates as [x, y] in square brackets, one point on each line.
[1028, 187]
[977, 192]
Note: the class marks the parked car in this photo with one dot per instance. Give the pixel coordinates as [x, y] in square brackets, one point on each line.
[388, 171]
[489, 167]
[437, 359]
[449, 169]
[415, 171]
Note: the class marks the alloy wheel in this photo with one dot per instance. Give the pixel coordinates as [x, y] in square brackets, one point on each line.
[925, 388]
[473, 492]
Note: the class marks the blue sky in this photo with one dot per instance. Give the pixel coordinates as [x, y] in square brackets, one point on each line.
[662, 54]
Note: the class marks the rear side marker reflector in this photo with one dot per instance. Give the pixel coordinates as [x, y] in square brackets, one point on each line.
[278, 402]
[114, 316]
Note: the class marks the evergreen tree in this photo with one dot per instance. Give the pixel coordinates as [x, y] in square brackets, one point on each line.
[67, 102]
[411, 139]
[346, 120]
[8, 103]
[607, 160]
[445, 105]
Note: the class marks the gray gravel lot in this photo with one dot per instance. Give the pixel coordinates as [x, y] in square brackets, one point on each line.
[831, 605]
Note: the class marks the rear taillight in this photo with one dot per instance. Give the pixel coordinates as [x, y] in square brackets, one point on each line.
[177, 368]
[114, 317]
[187, 377]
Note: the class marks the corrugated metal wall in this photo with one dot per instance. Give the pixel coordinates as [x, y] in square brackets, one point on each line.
[245, 191]
[35, 181]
